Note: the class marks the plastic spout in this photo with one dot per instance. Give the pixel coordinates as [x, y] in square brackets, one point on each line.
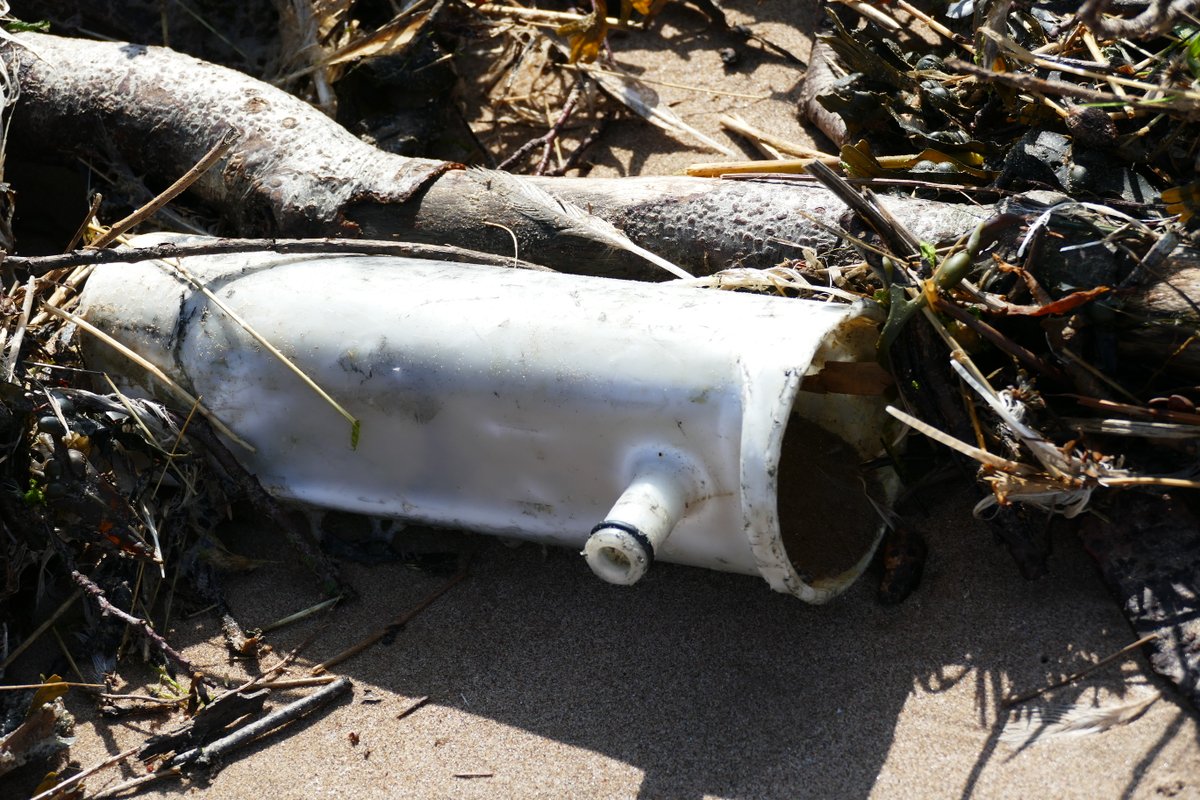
[622, 547]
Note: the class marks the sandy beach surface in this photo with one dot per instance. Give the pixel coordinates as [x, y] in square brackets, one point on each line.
[543, 682]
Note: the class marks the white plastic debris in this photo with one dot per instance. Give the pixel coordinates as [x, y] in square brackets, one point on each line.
[636, 421]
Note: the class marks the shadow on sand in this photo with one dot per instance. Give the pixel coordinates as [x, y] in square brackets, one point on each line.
[710, 684]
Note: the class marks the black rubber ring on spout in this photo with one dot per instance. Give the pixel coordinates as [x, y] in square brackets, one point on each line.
[637, 535]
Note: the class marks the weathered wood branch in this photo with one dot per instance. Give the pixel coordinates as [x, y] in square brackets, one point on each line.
[294, 172]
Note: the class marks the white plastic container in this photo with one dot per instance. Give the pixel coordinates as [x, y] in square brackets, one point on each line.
[635, 421]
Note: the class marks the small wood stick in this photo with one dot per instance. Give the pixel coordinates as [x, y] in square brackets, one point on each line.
[97, 199]
[296, 683]
[227, 141]
[301, 615]
[874, 14]
[107, 608]
[133, 783]
[935, 26]
[31, 638]
[738, 125]
[1021, 698]
[41, 265]
[413, 706]
[276, 719]
[92, 770]
[395, 625]
[20, 687]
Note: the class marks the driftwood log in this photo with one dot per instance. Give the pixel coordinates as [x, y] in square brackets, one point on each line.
[297, 173]
[294, 173]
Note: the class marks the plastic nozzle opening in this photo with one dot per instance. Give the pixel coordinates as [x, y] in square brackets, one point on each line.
[622, 547]
[616, 556]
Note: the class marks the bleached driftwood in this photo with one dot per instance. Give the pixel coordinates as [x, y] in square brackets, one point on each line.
[294, 172]
[297, 173]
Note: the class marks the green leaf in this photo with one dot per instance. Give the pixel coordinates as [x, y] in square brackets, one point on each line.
[929, 254]
[17, 26]
[34, 496]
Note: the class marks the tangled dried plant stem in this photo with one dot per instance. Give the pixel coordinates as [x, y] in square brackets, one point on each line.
[40, 266]
[92, 590]
[548, 139]
[592, 137]
[1159, 16]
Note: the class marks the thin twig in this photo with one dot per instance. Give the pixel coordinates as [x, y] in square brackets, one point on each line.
[1032, 83]
[592, 137]
[74, 685]
[1021, 698]
[107, 608]
[97, 199]
[1160, 414]
[738, 125]
[880, 18]
[173, 387]
[547, 139]
[394, 626]
[297, 683]
[227, 141]
[301, 615]
[935, 26]
[33, 637]
[92, 770]
[538, 15]
[413, 706]
[40, 265]
[134, 783]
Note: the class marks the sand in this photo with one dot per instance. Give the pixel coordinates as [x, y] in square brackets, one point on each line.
[544, 682]
[697, 684]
